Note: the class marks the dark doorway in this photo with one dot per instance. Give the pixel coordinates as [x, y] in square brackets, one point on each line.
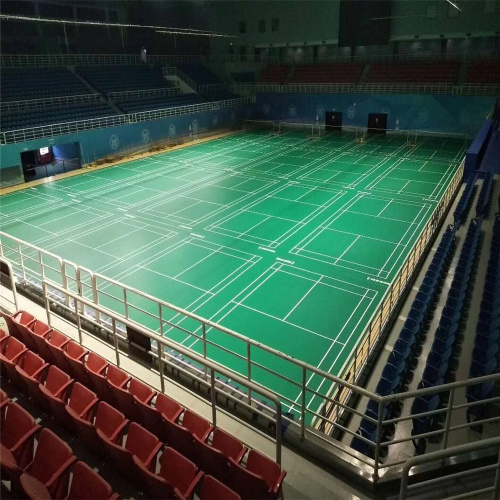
[50, 160]
[333, 121]
[377, 123]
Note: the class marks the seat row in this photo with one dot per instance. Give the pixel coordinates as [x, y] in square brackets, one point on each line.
[75, 405]
[274, 73]
[398, 370]
[44, 473]
[484, 198]
[485, 71]
[442, 359]
[487, 340]
[463, 206]
[431, 72]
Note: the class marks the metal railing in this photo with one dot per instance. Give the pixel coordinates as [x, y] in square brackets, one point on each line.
[49, 102]
[453, 454]
[48, 60]
[213, 87]
[53, 130]
[370, 88]
[173, 71]
[145, 93]
[33, 265]
[167, 355]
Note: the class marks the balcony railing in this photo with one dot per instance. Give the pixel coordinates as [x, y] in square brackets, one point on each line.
[49, 102]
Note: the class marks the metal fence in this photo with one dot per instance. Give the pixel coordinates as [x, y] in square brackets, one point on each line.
[172, 71]
[213, 87]
[53, 130]
[139, 94]
[211, 375]
[453, 455]
[370, 88]
[33, 265]
[48, 60]
[49, 102]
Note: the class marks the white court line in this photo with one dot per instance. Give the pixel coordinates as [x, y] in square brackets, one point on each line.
[399, 192]
[267, 249]
[389, 202]
[300, 301]
[346, 250]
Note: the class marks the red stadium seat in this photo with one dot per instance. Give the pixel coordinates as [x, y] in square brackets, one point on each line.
[126, 398]
[39, 331]
[55, 386]
[4, 335]
[55, 343]
[18, 434]
[108, 421]
[211, 461]
[73, 351]
[87, 484]
[196, 424]
[10, 352]
[4, 402]
[215, 490]
[81, 404]
[30, 367]
[176, 473]
[53, 458]
[229, 445]
[181, 439]
[81, 367]
[262, 477]
[153, 416]
[19, 318]
[140, 444]
[102, 382]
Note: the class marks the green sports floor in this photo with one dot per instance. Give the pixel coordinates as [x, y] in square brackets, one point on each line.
[288, 241]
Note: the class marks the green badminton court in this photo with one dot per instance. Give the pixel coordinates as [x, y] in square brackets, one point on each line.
[288, 241]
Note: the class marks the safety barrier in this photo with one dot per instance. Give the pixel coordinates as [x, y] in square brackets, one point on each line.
[167, 356]
[454, 455]
[145, 93]
[32, 133]
[49, 102]
[172, 71]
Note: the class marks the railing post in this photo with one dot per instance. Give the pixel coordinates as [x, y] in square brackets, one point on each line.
[249, 371]
[21, 260]
[496, 486]
[303, 406]
[279, 424]
[204, 342]
[125, 302]
[78, 323]
[213, 397]
[448, 419]
[115, 341]
[161, 353]
[379, 438]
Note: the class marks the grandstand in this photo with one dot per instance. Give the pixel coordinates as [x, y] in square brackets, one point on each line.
[246, 263]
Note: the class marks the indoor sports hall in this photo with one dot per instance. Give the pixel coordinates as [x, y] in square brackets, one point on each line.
[231, 275]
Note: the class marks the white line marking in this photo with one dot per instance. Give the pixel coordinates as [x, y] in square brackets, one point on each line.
[129, 216]
[290, 262]
[377, 280]
[197, 235]
[186, 227]
[267, 249]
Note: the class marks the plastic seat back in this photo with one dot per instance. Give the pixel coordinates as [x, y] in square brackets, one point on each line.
[152, 420]
[82, 400]
[31, 367]
[178, 471]
[52, 456]
[109, 421]
[213, 489]
[141, 393]
[228, 444]
[265, 467]
[86, 483]
[168, 407]
[95, 363]
[11, 352]
[156, 486]
[196, 424]
[39, 331]
[141, 443]
[18, 433]
[181, 439]
[247, 484]
[211, 461]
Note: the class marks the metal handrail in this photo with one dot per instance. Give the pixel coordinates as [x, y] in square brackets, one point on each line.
[209, 365]
[130, 94]
[52, 130]
[49, 102]
[174, 71]
[448, 453]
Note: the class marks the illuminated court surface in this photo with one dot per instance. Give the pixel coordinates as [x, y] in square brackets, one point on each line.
[287, 241]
